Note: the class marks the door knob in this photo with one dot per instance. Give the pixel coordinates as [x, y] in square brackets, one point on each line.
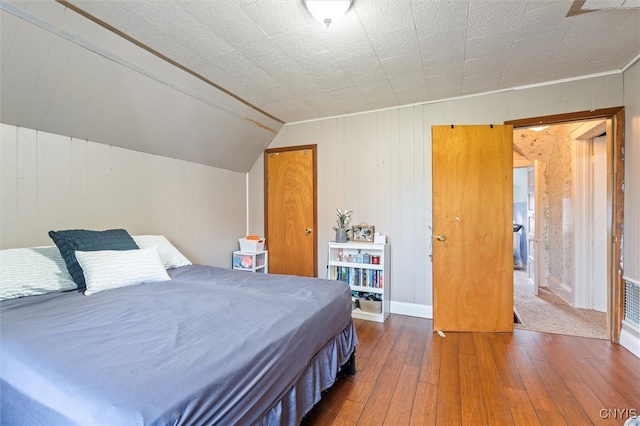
[308, 230]
[440, 237]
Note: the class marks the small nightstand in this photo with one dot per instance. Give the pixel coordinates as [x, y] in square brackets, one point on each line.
[252, 262]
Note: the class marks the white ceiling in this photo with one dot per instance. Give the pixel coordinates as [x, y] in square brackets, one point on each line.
[213, 81]
[276, 57]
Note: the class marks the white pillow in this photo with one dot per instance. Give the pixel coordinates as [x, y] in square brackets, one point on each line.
[171, 256]
[107, 269]
[32, 271]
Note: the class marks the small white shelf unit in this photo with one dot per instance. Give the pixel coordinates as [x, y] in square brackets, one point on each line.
[352, 263]
[249, 261]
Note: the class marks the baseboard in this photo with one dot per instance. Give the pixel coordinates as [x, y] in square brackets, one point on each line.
[411, 309]
[630, 341]
[561, 289]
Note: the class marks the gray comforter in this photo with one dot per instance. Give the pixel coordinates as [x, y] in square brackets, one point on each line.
[210, 346]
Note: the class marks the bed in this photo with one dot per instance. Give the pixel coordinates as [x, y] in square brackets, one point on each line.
[205, 346]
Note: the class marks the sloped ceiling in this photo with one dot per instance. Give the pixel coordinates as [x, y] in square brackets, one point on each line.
[213, 81]
[64, 74]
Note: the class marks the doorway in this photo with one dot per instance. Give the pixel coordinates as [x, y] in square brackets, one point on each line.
[589, 238]
[290, 185]
[537, 306]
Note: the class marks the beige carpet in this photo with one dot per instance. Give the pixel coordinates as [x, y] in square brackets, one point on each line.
[548, 313]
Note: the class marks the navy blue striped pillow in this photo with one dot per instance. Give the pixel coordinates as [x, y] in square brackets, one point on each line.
[69, 241]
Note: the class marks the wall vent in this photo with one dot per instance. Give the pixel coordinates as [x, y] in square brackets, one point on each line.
[632, 302]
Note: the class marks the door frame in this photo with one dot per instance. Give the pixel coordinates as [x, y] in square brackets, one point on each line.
[314, 149]
[615, 202]
[533, 238]
[585, 232]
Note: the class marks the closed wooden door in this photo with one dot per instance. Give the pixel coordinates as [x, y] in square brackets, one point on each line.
[472, 228]
[290, 198]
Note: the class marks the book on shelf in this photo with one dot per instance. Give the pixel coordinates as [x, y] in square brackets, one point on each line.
[361, 277]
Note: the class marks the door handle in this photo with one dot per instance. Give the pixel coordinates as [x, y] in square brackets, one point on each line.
[308, 230]
[440, 237]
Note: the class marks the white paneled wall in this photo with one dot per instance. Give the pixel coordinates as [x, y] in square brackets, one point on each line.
[631, 247]
[379, 165]
[56, 182]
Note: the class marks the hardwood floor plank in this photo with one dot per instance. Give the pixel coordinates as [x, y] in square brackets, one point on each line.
[415, 351]
[507, 370]
[372, 333]
[375, 410]
[552, 418]
[567, 404]
[540, 398]
[348, 415]
[526, 339]
[590, 403]
[625, 357]
[589, 348]
[561, 356]
[430, 367]
[449, 382]
[408, 375]
[471, 395]
[521, 408]
[424, 411]
[535, 352]
[495, 400]
[519, 337]
[399, 412]
[465, 343]
[623, 361]
[627, 385]
[331, 403]
[605, 390]
[403, 340]
[364, 328]
[369, 374]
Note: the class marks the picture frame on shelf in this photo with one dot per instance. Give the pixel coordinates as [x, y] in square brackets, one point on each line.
[362, 233]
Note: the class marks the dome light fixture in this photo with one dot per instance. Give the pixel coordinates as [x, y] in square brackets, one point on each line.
[538, 128]
[327, 11]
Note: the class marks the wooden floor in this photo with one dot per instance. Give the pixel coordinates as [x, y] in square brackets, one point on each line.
[408, 375]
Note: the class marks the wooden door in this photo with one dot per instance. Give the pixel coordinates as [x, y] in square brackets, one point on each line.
[472, 228]
[290, 213]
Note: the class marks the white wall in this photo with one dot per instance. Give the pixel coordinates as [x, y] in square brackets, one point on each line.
[631, 245]
[379, 164]
[56, 182]
[520, 185]
[631, 248]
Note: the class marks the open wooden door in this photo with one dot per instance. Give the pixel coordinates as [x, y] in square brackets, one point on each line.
[290, 210]
[473, 228]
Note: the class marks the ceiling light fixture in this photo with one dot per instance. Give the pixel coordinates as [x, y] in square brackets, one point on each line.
[327, 11]
[538, 128]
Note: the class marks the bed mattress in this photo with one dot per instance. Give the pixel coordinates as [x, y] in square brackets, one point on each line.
[210, 346]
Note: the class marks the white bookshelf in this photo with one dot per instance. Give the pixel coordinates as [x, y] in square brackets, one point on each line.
[354, 263]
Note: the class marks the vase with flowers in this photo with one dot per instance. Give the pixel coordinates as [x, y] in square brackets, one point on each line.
[342, 224]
